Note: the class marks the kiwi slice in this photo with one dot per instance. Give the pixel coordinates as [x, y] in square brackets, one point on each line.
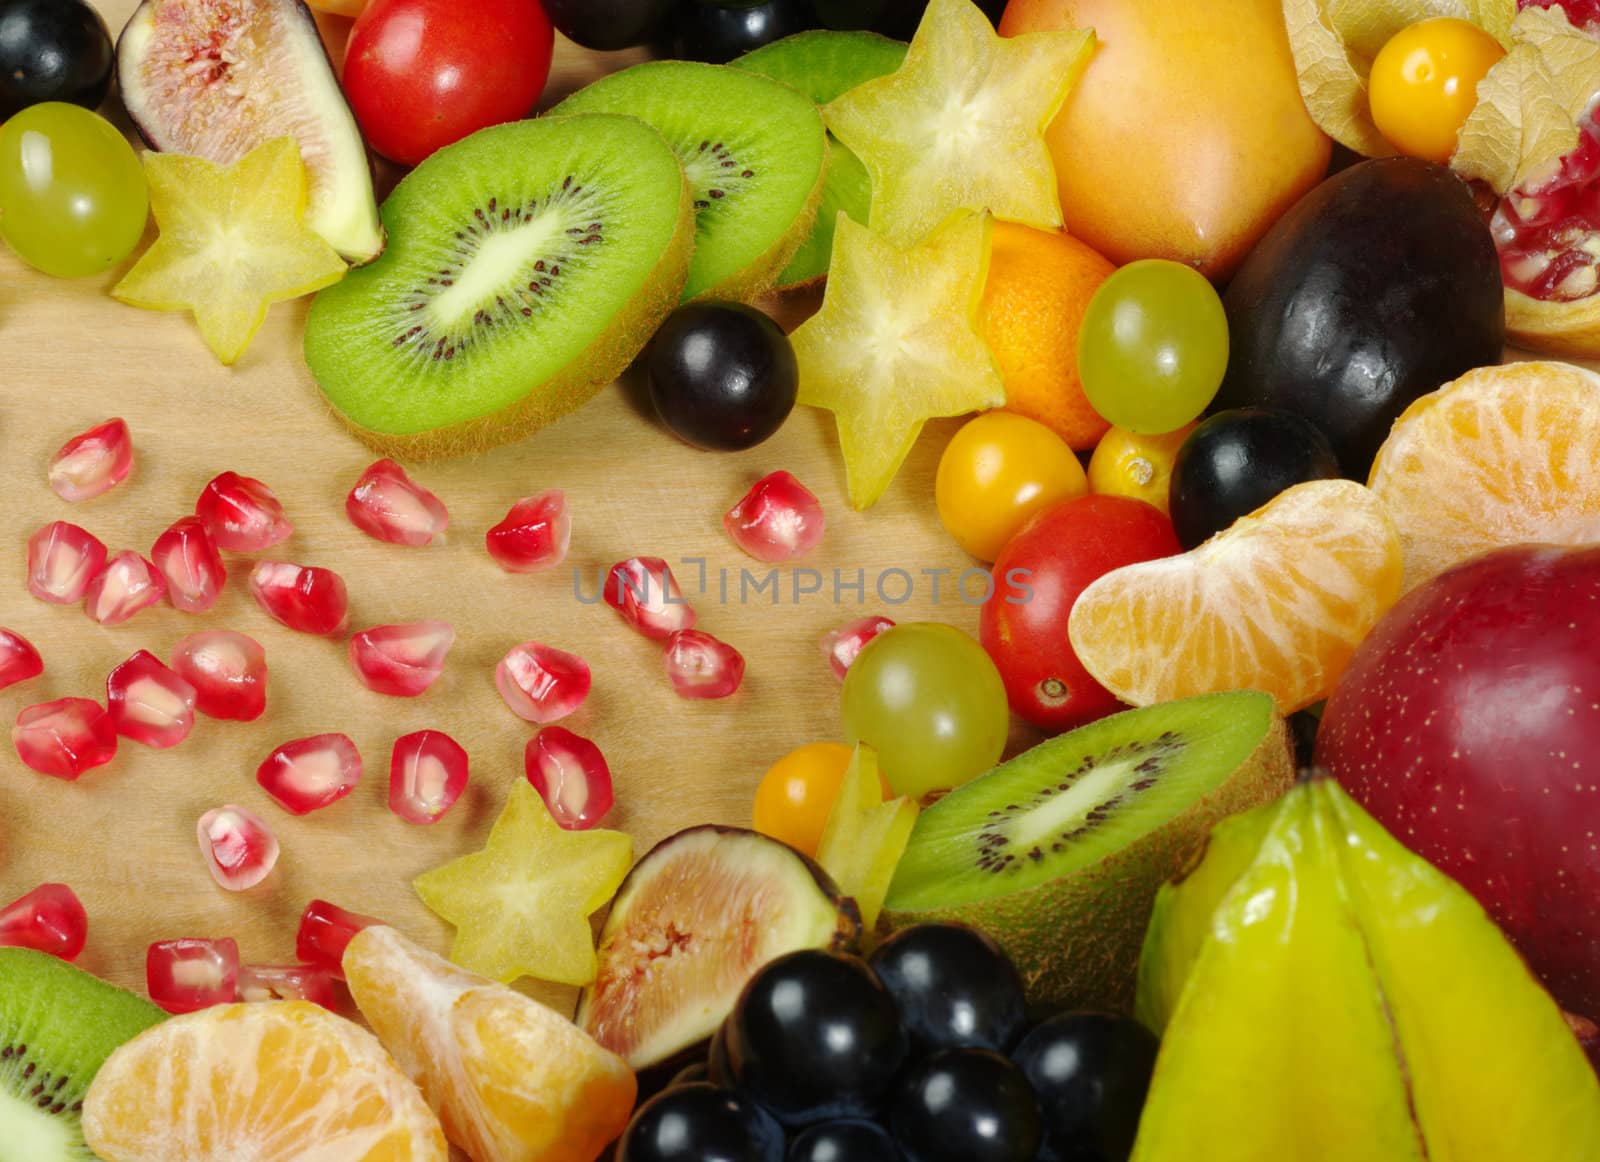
[754, 151]
[527, 265]
[1058, 854]
[58, 1024]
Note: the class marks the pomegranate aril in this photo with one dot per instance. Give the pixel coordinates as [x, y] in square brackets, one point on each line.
[778, 519]
[541, 683]
[150, 703]
[325, 931]
[92, 462]
[309, 773]
[571, 776]
[701, 666]
[644, 591]
[126, 585]
[62, 560]
[388, 505]
[402, 660]
[427, 773]
[19, 661]
[184, 976]
[240, 849]
[534, 535]
[48, 919]
[840, 646]
[242, 514]
[302, 597]
[286, 982]
[188, 558]
[64, 738]
[227, 670]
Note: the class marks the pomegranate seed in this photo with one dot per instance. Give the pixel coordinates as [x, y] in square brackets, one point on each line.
[388, 505]
[19, 661]
[427, 773]
[48, 919]
[308, 773]
[534, 535]
[227, 670]
[571, 776]
[240, 849]
[64, 738]
[62, 560]
[325, 931]
[644, 591]
[302, 597]
[286, 982]
[149, 703]
[701, 666]
[242, 514]
[92, 462]
[840, 646]
[541, 683]
[126, 585]
[777, 520]
[183, 976]
[403, 660]
[188, 559]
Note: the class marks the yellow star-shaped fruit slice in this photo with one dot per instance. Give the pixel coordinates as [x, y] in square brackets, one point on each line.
[521, 906]
[895, 343]
[961, 124]
[234, 240]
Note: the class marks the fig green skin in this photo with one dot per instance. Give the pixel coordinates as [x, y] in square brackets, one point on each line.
[1375, 288]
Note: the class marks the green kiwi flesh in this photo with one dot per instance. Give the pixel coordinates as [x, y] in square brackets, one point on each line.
[527, 266]
[58, 1024]
[1058, 853]
[754, 151]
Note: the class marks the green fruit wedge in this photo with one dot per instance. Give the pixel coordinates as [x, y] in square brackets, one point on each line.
[865, 837]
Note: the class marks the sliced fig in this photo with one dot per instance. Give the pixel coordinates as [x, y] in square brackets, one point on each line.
[216, 78]
[694, 920]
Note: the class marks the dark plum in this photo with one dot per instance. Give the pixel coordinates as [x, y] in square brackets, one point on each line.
[846, 1141]
[52, 50]
[609, 25]
[966, 1105]
[722, 375]
[1236, 461]
[1091, 1072]
[814, 1037]
[701, 1123]
[704, 31]
[896, 18]
[953, 987]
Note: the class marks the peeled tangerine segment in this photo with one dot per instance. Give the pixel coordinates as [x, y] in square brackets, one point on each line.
[527, 265]
[1347, 1001]
[265, 1082]
[864, 837]
[512, 1080]
[1278, 601]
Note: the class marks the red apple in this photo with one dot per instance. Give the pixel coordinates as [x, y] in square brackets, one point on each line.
[1469, 724]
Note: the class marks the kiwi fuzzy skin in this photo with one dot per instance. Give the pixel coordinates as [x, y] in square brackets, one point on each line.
[1077, 939]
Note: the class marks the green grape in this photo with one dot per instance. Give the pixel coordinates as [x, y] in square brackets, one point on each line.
[73, 198]
[927, 698]
[1153, 346]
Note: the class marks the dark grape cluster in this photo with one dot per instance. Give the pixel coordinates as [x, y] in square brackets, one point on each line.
[921, 1053]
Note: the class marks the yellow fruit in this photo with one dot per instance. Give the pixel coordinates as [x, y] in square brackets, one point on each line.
[1136, 464]
[797, 792]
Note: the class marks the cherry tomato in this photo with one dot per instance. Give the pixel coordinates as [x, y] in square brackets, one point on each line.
[795, 795]
[1424, 83]
[996, 472]
[421, 74]
[1038, 576]
[1130, 464]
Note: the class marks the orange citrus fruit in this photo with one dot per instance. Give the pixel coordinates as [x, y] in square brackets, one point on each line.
[1502, 456]
[1136, 464]
[1278, 602]
[270, 1081]
[512, 1080]
[1039, 286]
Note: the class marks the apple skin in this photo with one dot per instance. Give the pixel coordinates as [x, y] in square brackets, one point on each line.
[1468, 723]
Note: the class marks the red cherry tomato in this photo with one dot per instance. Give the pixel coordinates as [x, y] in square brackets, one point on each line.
[1038, 577]
[421, 74]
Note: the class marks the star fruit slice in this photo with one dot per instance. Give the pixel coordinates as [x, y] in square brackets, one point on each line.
[234, 240]
[961, 124]
[521, 906]
[865, 836]
[895, 343]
